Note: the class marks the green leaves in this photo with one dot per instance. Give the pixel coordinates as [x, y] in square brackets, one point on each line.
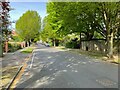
[28, 25]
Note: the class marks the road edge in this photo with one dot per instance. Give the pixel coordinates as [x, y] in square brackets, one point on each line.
[19, 70]
[12, 80]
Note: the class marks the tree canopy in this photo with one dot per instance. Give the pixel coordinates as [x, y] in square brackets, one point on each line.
[93, 19]
[29, 25]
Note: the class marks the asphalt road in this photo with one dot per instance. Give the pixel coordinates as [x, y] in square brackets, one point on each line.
[56, 68]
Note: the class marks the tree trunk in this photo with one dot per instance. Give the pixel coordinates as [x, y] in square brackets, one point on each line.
[80, 44]
[54, 43]
[28, 43]
[6, 46]
[1, 46]
[25, 43]
[1, 50]
[110, 45]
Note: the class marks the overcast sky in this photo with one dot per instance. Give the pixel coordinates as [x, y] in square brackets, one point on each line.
[22, 7]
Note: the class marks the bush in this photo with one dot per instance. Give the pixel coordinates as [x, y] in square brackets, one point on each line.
[72, 44]
[69, 45]
[16, 38]
[13, 47]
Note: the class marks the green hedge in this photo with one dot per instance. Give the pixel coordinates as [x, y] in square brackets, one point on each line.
[13, 47]
[72, 44]
[16, 38]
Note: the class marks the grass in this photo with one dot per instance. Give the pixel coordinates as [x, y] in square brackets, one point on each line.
[117, 60]
[95, 54]
[99, 55]
[28, 50]
[60, 47]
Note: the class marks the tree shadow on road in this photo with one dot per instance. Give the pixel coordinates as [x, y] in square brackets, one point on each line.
[53, 64]
[50, 68]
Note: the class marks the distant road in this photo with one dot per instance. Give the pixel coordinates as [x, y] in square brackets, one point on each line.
[56, 68]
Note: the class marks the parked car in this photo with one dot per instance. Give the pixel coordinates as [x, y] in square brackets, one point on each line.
[47, 45]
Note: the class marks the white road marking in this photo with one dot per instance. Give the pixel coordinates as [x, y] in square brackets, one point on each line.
[32, 60]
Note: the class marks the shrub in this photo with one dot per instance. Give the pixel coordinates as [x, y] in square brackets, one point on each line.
[16, 38]
[13, 47]
[72, 44]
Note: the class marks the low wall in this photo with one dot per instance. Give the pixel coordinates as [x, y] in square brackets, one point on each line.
[98, 45]
[94, 46]
[20, 43]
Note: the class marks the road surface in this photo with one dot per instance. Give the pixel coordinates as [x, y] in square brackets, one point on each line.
[56, 68]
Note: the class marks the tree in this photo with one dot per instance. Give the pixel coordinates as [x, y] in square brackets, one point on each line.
[4, 23]
[29, 25]
[49, 32]
[88, 18]
[110, 15]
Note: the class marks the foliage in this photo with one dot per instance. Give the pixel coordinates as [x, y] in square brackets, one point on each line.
[28, 26]
[49, 33]
[94, 19]
[16, 38]
[4, 19]
[14, 47]
[72, 44]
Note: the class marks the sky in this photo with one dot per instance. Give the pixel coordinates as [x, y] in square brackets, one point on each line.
[22, 7]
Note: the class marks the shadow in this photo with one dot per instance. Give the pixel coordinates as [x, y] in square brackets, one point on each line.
[51, 67]
[48, 64]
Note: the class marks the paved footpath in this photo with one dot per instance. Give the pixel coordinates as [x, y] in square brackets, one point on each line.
[8, 62]
[56, 68]
[14, 59]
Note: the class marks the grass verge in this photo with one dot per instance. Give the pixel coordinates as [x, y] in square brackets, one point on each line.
[28, 50]
[99, 55]
[95, 54]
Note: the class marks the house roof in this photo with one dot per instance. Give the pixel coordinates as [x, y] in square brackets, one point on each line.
[14, 33]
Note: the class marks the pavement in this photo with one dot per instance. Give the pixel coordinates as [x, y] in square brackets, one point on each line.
[14, 59]
[56, 68]
[9, 65]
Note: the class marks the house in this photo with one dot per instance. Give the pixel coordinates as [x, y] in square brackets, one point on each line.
[14, 33]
